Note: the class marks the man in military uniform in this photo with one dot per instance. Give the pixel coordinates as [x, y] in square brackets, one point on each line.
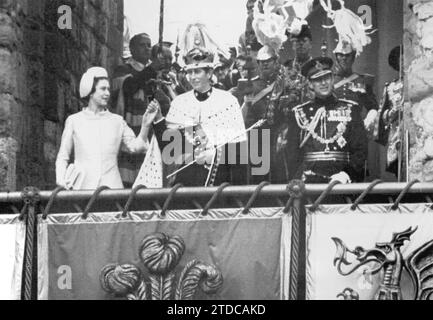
[297, 89]
[301, 44]
[291, 89]
[220, 73]
[354, 86]
[326, 137]
[258, 95]
[232, 75]
[255, 96]
[388, 130]
[248, 43]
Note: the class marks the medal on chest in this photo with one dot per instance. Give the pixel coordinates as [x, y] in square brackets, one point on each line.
[323, 123]
[339, 115]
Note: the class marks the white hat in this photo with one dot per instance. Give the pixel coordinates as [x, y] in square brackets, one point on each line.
[87, 79]
[266, 53]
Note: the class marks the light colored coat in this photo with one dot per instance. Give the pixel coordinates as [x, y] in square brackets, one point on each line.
[96, 140]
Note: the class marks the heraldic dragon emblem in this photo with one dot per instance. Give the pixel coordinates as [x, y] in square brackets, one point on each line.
[388, 257]
[160, 254]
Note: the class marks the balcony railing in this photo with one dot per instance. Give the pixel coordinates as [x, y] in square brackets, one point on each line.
[32, 202]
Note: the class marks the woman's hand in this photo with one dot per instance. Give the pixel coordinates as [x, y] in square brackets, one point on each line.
[61, 184]
[152, 112]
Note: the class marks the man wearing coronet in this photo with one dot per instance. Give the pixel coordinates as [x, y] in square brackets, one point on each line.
[207, 118]
[327, 140]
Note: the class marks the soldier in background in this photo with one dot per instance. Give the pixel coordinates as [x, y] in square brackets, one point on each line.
[241, 62]
[232, 75]
[354, 86]
[359, 88]
[255, 97]
[248, 43]
[388, 129]
[326, 137]
[130, 99]
[220, 74]
[296, 85]
[182, 84]
[291, 89]
[302, 44]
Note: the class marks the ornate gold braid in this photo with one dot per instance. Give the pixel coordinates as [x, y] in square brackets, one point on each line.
[305, 125]
[337, 136]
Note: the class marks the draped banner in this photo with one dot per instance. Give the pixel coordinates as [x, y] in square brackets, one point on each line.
[12, 239]
[145, 256]
[373, 252]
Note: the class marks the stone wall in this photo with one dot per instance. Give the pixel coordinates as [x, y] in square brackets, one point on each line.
[40, 69]
[418, 43]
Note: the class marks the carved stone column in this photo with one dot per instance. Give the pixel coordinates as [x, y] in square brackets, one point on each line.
[418, 66]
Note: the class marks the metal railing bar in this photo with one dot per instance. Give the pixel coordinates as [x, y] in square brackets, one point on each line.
[238, 191]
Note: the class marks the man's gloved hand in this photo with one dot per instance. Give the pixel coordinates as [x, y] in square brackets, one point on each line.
[342, 176]
[370, 120]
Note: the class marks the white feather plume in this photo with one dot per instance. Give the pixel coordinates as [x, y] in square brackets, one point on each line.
[349, 26]
[269, 27]
[294, 12]
[302, 8]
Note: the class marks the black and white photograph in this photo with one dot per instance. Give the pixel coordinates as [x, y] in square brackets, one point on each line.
[230, 150]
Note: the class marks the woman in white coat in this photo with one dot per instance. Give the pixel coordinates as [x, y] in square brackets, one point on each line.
[96, 135]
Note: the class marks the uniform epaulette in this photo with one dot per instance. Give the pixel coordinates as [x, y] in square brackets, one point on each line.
[349, 101]
[301, 105]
